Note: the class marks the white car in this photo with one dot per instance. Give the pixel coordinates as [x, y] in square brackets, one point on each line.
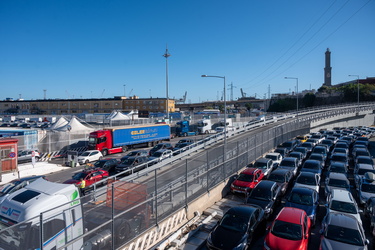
[342, 201]
[89, 156]
[275, 157]
[160, 155]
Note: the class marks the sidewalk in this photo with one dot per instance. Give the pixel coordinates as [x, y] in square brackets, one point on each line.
[27, 169]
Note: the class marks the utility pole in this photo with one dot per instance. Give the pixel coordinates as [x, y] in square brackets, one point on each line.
[166, 55]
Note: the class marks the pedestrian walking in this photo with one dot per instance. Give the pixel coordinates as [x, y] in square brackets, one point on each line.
[82, 186]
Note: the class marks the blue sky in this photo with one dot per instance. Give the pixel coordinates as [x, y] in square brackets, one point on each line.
[91, 48]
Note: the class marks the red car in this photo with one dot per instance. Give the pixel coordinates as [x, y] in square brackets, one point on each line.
[90, 176]
[247, 180]
[290, 230]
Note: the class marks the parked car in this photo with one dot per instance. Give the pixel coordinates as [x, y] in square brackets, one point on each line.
[246, 180]
[342, 201]
[298, 156]
[289, 145]
[27, 155]
[265, 194]
[366, 187]
[337, 167]
[264, 164]
[369, 209]
[336, 181]
[160, 155]
[15, 185]
[364, 160]
[275, 157]
[342, 231]
[132, 163]
[186, 140]
[140, 152]
[165, 145]
[308, 180]
[89, 156]
[312, 166]
[308, 145]
[289, 163]
[290, 230]
[282, 177]
[305, 199]
[339, 150]
[320, 149]
[318, 157]
[181, 147]
[108, 165]
[360, 170]
[339, 157]
[282, 151]
[91, 176]
[236, 228]
[302, 150]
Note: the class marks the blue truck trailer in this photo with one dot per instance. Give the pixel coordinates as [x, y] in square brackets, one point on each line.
[119, 139]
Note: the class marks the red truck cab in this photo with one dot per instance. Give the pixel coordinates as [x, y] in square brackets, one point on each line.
[102, 140]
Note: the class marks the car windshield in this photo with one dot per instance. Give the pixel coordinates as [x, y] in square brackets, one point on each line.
[337, 169]
[276, 178]
[234, 222]
[316, 157]
[345, 235]
[99, 164]
[134, 153]
[302, 150]
[368, 188]
[362, 171]
[261, 165]
[79, 176]
[310, 165]
[319, 150]
[272, 157]
[341, 158]
[288, 163]
[344, 207]
[128, 161]
[295, 155]
[246, 177]
[157, 154]
[338, 183]
[307, 180]
[303, 199]
[307, 145]
[363, 160]
[260, 194]
[287, 230]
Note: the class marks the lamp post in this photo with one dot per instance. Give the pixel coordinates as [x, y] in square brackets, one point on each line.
[295, 78]
[124, 90]
[357, 88]
[225, 108]
[166, 55]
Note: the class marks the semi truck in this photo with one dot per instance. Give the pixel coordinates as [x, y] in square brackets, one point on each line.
[205, 127]
[183, 128]
[65, 219]
[119, 139]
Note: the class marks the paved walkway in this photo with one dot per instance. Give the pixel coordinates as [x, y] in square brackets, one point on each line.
[27, 169]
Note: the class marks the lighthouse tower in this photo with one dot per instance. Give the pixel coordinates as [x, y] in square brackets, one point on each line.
[328, 69]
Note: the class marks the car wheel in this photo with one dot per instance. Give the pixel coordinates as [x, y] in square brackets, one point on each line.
[105, 152]
[87, 161]
[100, 158]
[37, 158]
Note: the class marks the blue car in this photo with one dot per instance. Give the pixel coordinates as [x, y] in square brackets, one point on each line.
[306, 199]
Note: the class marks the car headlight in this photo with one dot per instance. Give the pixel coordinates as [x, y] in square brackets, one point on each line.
[267, 210]
[232, 186]
[242, 245]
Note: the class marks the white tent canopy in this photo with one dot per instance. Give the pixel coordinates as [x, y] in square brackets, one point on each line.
[62, 121]
[118, 116]
[74, 125]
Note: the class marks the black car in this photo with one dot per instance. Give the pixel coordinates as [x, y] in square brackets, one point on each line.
[181, 147]
[132, 163]
[266, 194]
[108, 165]
[236, 228]
[165, 145]
[369, 210]
[282, 177]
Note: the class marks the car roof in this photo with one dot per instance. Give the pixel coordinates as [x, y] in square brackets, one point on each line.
[303, 190]
[338, 164]
[291, 214]
[263, 160]
[265, 184]
[289, 159]
[274, 154]
[280, 171]
[249, 171]
[342, 220]
[342, 195]
[242, 210]
[307, 174]
[365, 166]
[338, 176]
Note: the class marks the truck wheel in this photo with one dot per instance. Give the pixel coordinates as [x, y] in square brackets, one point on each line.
[124, 149]
[185, 134]
[206, 132]
[123, 231]
[105, 152]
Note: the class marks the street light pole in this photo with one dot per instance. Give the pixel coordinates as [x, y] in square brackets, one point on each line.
[124, 90]
[225, 108]
[295, 78]
[166, 55]
[357, 88]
